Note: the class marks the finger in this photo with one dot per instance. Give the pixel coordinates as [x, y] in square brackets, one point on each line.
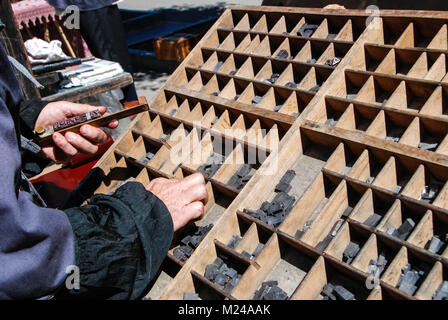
[75, 109]
[93, 134]
[196, 192]
[193, 180]
[61, 142]
[194, 210]
[60, 156]
[113, 124]
[80, 143]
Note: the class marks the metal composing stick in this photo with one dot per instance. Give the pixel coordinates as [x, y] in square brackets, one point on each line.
[73, 124]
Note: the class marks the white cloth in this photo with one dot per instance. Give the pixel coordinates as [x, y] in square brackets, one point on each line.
[40, 51]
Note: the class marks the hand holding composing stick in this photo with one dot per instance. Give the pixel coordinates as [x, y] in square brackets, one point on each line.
[61, 138]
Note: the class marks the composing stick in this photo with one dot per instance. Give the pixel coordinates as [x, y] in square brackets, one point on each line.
[44, 134]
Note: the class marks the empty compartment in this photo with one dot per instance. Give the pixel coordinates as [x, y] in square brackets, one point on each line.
[266, 22]
[380, 90]
[393, 29]
[352, 85]
[404, 63]
[358, 117]
[166, 273]
[419, 33]
[367, 167]
[342, 159]
[395, 175]
[411, 95]
[329, 111]
[437, 102]
[373, 56]
[247, 21]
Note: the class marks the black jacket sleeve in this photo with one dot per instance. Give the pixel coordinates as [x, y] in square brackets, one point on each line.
[120, 243]
[29, 110]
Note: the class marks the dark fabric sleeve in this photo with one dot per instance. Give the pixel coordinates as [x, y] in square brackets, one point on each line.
[120, 243]
[29, 110]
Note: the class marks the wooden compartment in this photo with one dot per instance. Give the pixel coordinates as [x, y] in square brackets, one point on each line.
[326, 218]
[417, 261]
[399, 215]
[425, 180]
[400, 62]
[433, 281]
[377, 252]
[231, 258]
[326, 271]
[367, 167]
[164, 276]
[372, 208]
[370, 89]
[282, 260]
[419, 33]
[371, 57]
[245, 236]
[347, 236]
[395, 175]
[309, 206]
[433, 223]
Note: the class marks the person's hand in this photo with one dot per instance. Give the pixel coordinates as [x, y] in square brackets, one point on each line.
[67, 146]
[185, 199]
